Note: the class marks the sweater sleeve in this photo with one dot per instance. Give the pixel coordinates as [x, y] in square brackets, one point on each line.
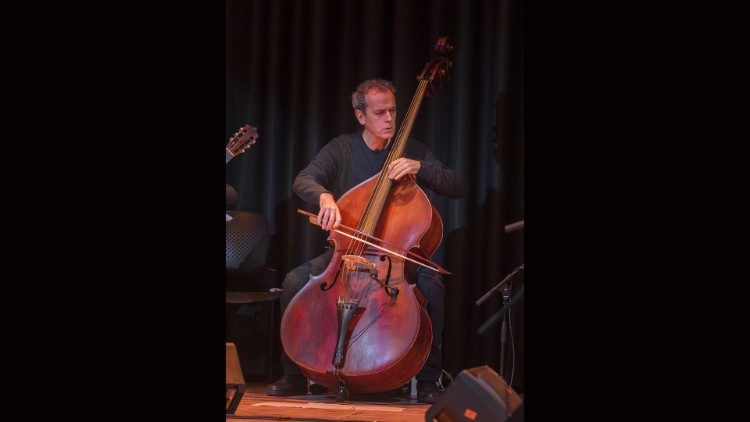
[438, 177]
[319, 173]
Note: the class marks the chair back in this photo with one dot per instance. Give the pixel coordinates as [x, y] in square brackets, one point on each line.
[248, 236]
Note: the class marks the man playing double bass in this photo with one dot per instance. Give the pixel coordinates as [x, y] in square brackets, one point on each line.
[342, 164]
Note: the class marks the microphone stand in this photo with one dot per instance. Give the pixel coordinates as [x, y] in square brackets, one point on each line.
[504, 310]
[503, 328]
[498, 286]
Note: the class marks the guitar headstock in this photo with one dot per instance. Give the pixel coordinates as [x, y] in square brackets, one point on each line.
[242, 140]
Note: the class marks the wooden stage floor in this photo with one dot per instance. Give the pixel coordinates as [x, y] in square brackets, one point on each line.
[256, 405]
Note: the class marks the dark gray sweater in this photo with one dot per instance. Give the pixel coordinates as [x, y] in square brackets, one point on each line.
[346, 161]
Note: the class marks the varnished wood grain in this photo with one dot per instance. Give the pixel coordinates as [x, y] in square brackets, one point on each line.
[256, 405]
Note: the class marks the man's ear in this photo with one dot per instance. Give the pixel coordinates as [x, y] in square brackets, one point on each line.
[360, 116]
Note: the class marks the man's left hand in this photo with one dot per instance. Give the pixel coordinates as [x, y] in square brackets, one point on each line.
[403, 166]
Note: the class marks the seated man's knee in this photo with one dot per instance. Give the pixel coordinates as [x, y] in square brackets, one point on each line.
[290, 281]
[431, 282]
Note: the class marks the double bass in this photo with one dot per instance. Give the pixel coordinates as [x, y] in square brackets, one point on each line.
[361, 325]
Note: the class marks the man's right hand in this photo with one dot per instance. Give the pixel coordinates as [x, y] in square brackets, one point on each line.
[329, 216]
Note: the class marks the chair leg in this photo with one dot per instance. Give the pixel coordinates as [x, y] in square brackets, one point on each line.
[239, 391]
[273, 353]
[234, 379]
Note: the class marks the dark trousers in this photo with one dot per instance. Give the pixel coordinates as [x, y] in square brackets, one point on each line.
[429, 282]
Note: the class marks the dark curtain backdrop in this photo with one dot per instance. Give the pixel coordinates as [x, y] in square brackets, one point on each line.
[290, 70]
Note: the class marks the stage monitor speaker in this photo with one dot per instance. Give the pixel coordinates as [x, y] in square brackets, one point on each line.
[477, 394]
[235, 380]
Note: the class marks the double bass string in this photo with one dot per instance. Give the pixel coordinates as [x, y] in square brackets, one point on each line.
[382, 188]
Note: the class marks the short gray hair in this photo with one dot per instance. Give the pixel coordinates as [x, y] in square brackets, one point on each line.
[358, 96]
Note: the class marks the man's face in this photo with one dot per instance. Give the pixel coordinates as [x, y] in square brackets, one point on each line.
[379, 117]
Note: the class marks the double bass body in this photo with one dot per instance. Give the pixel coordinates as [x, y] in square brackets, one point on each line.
[360, 325]
[389, 336]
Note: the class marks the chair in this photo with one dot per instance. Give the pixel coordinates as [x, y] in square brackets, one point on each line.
[247, 237]
[250, 306]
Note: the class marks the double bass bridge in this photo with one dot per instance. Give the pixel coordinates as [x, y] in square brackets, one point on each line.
[359, 263]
